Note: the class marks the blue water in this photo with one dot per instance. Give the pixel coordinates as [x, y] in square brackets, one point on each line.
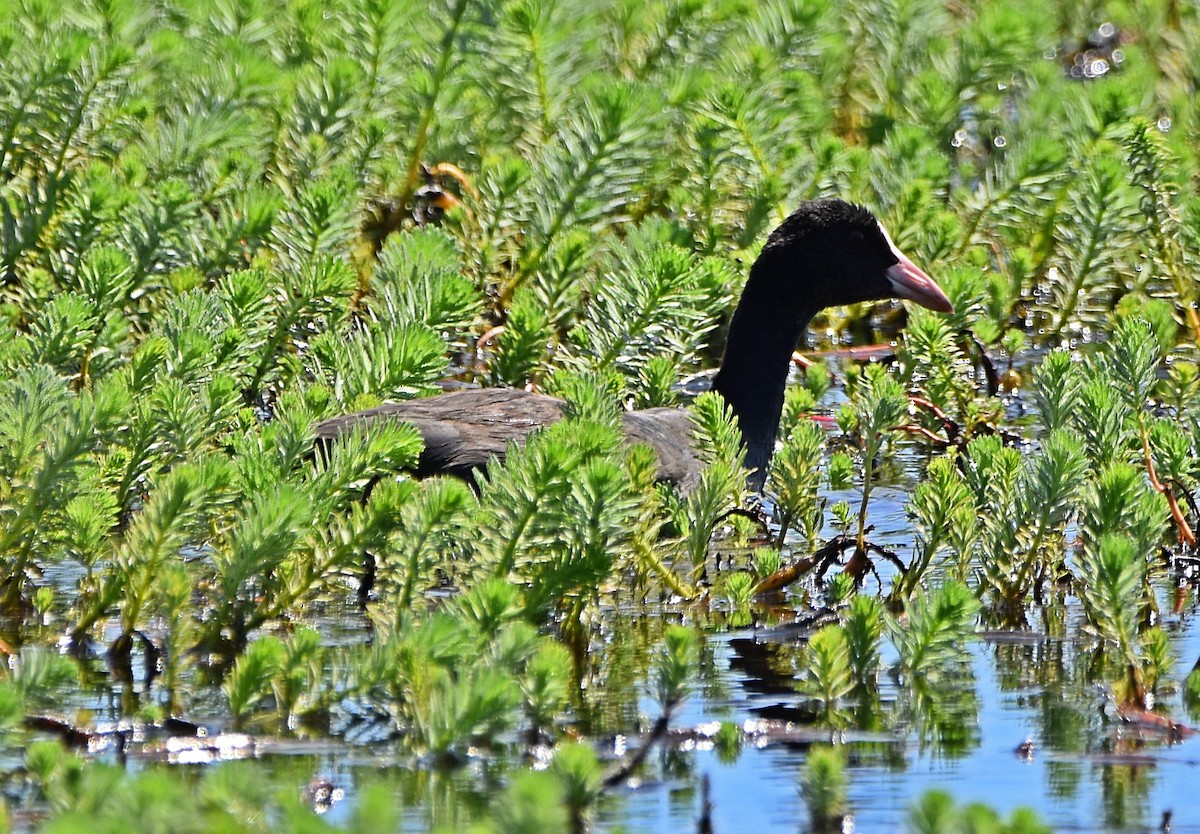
[1071, 790]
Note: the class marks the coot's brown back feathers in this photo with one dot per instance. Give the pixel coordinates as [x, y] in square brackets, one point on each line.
[668, 431]
[464, 429]
[826, 253]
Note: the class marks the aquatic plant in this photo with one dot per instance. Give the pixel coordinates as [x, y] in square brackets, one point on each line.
[935, 811]
[221, 223]
[795, 481]
[828, 679]
[823, 784]
[877, 407]
[932, 633]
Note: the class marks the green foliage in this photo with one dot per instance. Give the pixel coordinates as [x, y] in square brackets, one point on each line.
[532, 803]
[1131, 359]
[945, 517]
[935, 812]
[739, 591]
[228, 797]
[935, 630]
[654, 301]
[452, 713]
[864, 625]
[1057, 390]
[428, 528]
[1093, 234]
[521, 348]
[310, 299]
[46, 436]
[823, 784]
[1157, 658]
[557, 512]
[250, 681]
[298, 682]
[675, 665]
[879, 404]
[544, 686]
[213, 234]
[451, 681]
[1191, 692]
[766, 562]
[35, 680]
[841, 469]
[656, 381]
[1181, 385]
[578, 772]
[418, 282]
[380, 363]
[829, 677]
[1113, 599]
[597, 146]
[932, 355]
[817, 380]
[722, 482]
[1026, 513]
[1150, 161]
[1120, 501]
[795, 479]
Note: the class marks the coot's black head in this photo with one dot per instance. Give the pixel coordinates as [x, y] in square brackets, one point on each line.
[829, 252]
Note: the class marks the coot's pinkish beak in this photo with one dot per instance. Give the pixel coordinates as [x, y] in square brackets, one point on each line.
[909, 281]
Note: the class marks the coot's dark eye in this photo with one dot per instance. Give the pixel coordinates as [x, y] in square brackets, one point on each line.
[857, 235]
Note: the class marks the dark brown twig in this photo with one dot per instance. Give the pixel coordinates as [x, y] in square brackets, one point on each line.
[1181, 523]
[896, 561]
[625, 768]
[1187, 496]
[758, 517]
[953, 429]
[989, 368]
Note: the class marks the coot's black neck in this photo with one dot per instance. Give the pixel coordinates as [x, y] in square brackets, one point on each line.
[762, 336]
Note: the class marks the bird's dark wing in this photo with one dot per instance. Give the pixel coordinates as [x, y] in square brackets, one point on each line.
[668, 431]
[462, 430]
